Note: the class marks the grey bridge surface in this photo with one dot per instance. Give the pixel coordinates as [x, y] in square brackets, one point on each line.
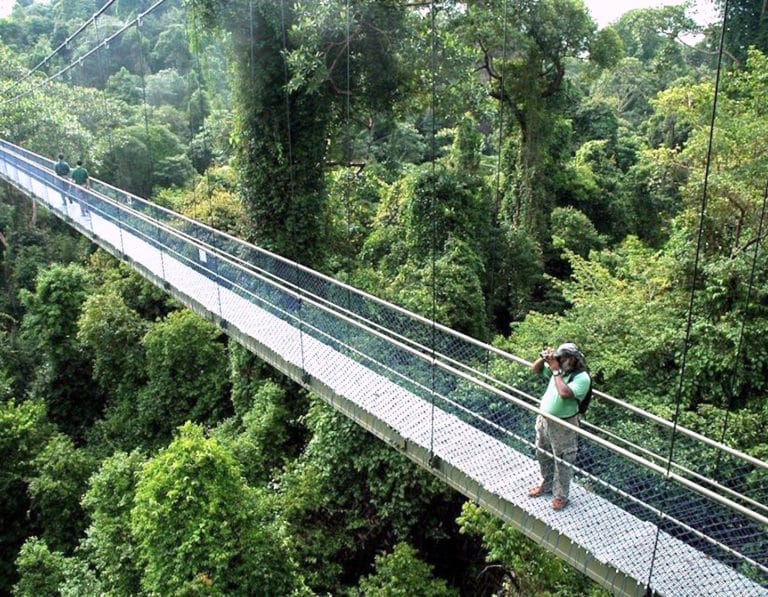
[634, 523]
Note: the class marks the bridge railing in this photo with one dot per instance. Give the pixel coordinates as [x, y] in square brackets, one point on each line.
[477, 383]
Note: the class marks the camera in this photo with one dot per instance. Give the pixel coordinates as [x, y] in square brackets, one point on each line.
[548, 354]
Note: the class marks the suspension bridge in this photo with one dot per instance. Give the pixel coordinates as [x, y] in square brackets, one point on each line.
[640, 521]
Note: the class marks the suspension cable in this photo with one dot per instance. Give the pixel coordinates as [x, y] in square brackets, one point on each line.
[104, 44]
[501, 112]
[433, 207]
[292, 188]
[143, 67]
[694, 280]
[740, 342]
[65, 43]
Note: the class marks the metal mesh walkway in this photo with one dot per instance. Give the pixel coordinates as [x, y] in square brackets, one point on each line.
[463, 409]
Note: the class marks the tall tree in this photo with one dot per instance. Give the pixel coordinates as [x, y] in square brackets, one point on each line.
[746, 25]
[524, 56]
[280, 145]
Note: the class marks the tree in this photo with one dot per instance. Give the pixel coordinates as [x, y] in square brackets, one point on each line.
[652, 36]
[265, 439]
[41, 570]
[107, 322]
[527, 76]
[348, 497]
[186, 375]
[402, 573]
[746, 25]
[200, 528]
[109, 545]
[56, 488]
[24, 432]
[137, 158]
[64, 373]
[532, 570]
[281, 135]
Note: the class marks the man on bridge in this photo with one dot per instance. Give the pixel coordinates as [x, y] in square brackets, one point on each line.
[556, 445]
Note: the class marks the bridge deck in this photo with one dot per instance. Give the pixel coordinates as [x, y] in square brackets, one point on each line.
[605, 542]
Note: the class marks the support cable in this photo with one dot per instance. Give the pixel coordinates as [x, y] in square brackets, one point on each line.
[694, 281]
[497, 207]
[501, 112]
[290, 174]
[740, 342]
[62, 45]
[433, 207]
[79, 61]
[351, 262]
[143, 67]
[110, 138]
[202, 94]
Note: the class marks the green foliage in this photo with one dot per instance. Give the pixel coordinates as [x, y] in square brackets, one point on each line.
[572, 230]
[532, 569]
[402, 573]
[279, 165]
[744, 28]
[442, 204]
[137, 293]
[214, 200]
[24, 432]
[606, 48]
[125, 86]
[649, 34]
[106, 322]
[532, 70]
[267, 437]
[515, 270]
[55, 489]
[597, 191]
[449, 291]
[354, 198]
[50, 324]
[348, 496]
[41, 570]
[136, 158]
[186, 375]
[736, 161]
[200, 529]
[54, 307]
[109, 544]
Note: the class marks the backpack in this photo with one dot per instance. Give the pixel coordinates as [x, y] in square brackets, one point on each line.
[584, 402]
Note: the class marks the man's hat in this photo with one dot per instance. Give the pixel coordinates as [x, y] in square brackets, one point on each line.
[569, 349]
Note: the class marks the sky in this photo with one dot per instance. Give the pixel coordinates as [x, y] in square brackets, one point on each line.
[603, 11]
[607, 11]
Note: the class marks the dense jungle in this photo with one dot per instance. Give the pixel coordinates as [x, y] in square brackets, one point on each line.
[503, 167]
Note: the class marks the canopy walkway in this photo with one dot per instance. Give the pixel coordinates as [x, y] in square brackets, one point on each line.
[640, 521]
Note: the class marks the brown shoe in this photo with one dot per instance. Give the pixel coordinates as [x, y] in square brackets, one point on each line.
[537, 491]
[559, 503]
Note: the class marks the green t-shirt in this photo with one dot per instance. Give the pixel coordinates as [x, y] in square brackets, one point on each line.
[80, 175]
[553, 404]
